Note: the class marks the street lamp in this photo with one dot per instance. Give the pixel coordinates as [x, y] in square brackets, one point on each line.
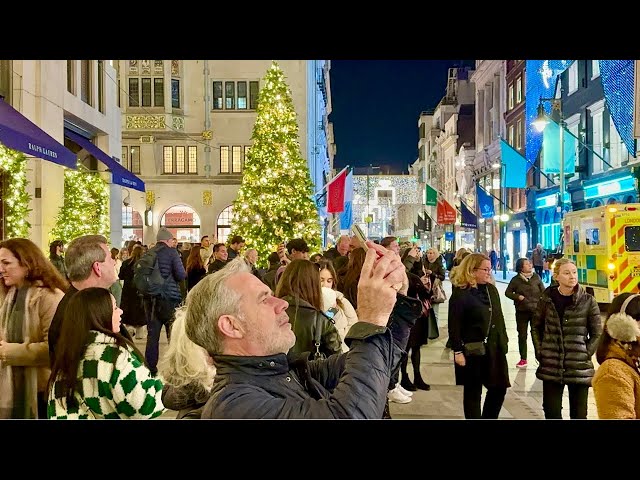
[541, 121]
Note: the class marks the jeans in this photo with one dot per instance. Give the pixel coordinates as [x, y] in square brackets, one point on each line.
[159, 312]
[523, 320]
[552, 400]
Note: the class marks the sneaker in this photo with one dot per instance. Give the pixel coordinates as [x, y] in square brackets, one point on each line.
[397, 397]
[404, 391]
[521, 364]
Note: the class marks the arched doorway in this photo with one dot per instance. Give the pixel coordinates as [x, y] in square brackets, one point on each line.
[132, 225]
[224, 224]
[183, 222]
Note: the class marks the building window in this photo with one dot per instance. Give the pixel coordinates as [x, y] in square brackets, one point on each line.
[598, 165]
[510, 97]
[134, 92]
[71, 76]
[511, 134]
[146, 91]
[246, 154]
[175, 93]
[125, 157]
[224, 159]
[224, 224]
[101, 86]
[617, 149]
[573, 77]
[135, 160]
[519, 135]
[236, 156]
[232, 158]
[193, 159]
[230, 95]
[158, 92]
[167, 160]
[85, 81]
[132, 226]
[183, 222]
[595, 68]
[182, 160]
[519, 90]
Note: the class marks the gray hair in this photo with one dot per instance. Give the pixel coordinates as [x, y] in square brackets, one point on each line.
[208, 301]
[185, 362]
[82, 253]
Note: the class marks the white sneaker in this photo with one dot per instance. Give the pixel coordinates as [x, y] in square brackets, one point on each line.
[404, 391]
[397, 397]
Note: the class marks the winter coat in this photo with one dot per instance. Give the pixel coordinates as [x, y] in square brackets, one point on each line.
[564, 348]
[131, 304]
[171, 269]
[188, 400]
[530, 289]
[305, 322]
[470, 312]
[351, 385]
[616, 386]
[436, 267]
[345, 318]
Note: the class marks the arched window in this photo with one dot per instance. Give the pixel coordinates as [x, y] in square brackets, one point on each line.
[183, 222]
[630, 199]
[596, 203]
[132, 225]
[611, 201]
[224, 224]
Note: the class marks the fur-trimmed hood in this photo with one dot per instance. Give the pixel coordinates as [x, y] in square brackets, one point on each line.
[623, 327]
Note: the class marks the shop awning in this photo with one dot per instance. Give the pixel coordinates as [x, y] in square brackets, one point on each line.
[20, 133]
[119, 174]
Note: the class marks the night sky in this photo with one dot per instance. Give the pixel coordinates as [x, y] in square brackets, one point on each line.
[376, 105]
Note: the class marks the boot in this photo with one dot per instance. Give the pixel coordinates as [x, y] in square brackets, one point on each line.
[419, 382]
[406, 384]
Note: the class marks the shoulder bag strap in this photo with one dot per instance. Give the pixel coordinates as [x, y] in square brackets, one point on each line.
[490, 315]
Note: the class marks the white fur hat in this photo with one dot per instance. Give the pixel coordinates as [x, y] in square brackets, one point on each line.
[621, 326]
[329, 298]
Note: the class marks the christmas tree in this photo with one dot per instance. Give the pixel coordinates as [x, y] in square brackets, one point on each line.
[274, 203]
[86, 206]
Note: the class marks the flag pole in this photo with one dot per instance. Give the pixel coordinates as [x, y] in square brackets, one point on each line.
[331, 181]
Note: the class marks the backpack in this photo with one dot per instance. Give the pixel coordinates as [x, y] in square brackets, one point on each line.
[146, 274]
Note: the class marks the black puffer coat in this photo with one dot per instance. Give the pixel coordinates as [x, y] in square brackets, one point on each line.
[564, 348]
[530, 290]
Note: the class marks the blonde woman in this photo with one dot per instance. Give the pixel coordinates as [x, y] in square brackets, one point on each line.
[616, 383]
[478, 337]
[187, 371]
[30, 290]
[565, 331]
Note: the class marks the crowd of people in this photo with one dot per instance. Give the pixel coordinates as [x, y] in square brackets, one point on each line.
[302, 338]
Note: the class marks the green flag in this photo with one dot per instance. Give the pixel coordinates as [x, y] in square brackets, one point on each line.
[432, 196]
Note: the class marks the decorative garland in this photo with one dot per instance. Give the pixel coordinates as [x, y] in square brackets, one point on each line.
[15, 195]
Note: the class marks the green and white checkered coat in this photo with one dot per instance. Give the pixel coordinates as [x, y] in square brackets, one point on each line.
[113, 382]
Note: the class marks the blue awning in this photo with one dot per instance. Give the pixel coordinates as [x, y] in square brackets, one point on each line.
[20, 133]
[119, 174]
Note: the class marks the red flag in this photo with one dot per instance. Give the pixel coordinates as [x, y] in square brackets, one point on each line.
[335, 193]
[446, 213]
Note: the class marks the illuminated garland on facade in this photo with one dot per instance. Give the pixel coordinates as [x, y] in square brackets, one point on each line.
[15, 195]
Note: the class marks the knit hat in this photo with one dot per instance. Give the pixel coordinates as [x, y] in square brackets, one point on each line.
[164, 234]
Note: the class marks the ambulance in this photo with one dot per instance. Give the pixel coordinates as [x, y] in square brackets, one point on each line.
[604, 243]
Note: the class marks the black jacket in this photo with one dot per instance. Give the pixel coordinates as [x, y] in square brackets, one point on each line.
[349, 385]
[531, 291]
[305, 322]
[564, 348]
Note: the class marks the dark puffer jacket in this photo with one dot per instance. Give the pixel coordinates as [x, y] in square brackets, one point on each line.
[171, 269]
[530, 290]
[564, 349]
[305, 322]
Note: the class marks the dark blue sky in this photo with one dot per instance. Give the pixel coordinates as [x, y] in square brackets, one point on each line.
[376, 105]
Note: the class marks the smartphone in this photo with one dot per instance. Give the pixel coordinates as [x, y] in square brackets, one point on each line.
[357, 231]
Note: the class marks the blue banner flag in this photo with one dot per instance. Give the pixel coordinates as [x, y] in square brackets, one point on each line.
[551, 149]
[468, 218]
[515, 166]
[485, 203]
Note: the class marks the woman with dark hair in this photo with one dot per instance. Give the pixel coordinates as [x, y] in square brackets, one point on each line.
[348, 283]
[616, 383]
[478, 337]
[195, 268]
[98, 373]
[30, 290]
[316, 333]
[525, 290]
[55, 255]
[131, 304]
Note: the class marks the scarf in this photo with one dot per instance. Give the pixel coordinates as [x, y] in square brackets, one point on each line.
[18, 384]
[526, 276]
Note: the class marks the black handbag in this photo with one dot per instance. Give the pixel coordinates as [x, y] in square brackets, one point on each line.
[317, 335]
[478, 349]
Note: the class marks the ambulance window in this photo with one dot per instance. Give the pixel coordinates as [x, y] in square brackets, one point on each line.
[593, 236]
[632, 238]
[576, 241]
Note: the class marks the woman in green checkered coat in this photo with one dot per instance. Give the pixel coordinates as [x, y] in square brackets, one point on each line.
[99, 373]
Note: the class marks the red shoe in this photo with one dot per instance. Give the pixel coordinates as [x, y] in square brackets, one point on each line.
[521, 364]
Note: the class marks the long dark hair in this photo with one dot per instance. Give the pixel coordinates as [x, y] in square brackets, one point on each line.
[326, 264]
[52, 248]
[194, 260]
[349, 282]
[301, 279]
[90, 309]
[39, 268]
